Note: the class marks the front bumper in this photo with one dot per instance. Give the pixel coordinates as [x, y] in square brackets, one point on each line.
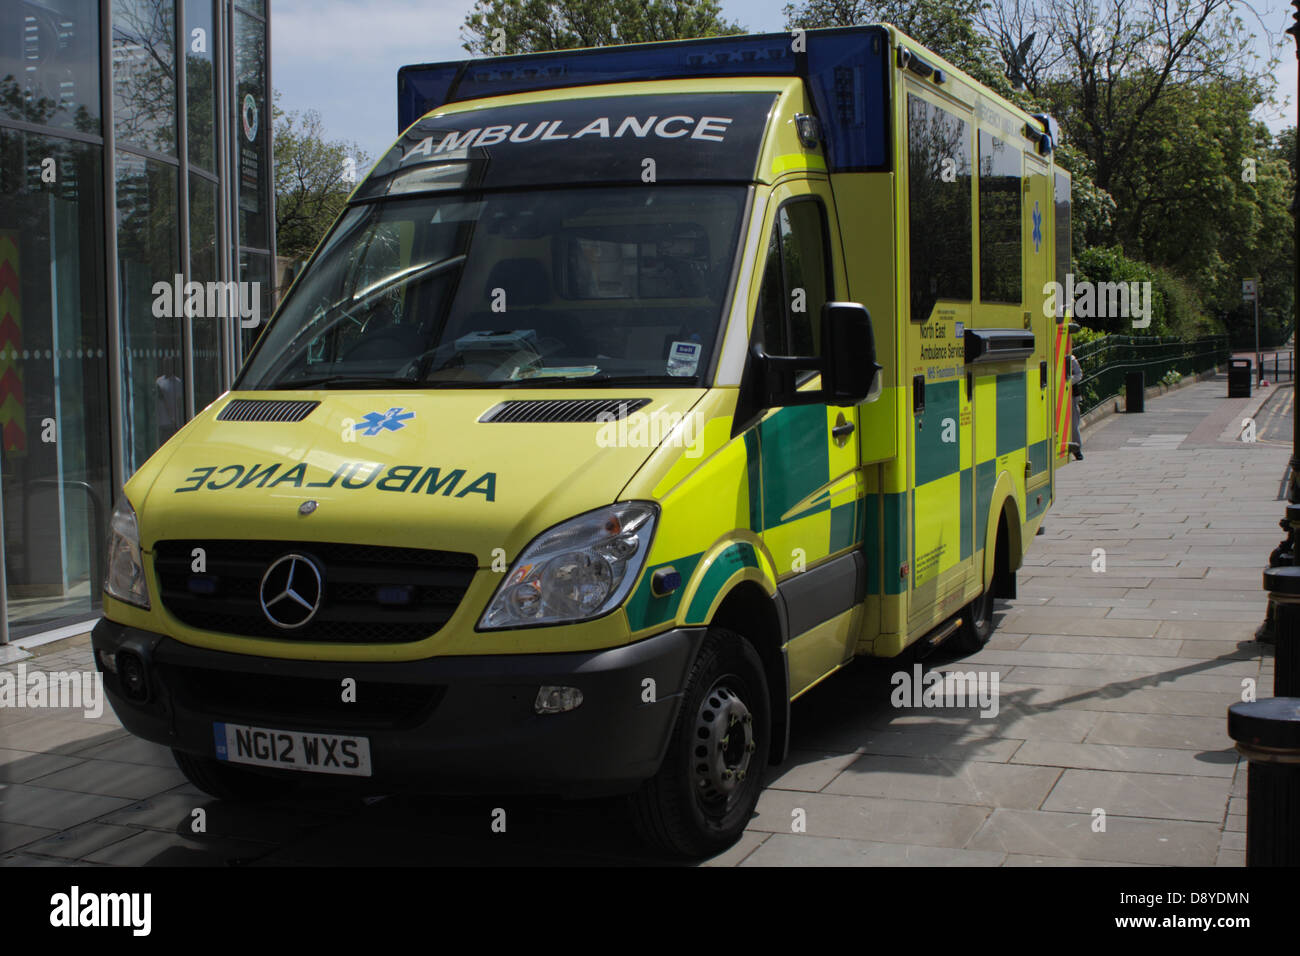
[448, 724]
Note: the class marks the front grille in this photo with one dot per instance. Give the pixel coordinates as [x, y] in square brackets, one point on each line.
[260, 410]
[421, 589]
[563, 409]
[281, 702]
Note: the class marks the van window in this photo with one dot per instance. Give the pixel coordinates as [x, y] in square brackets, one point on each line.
[1000, 229]
[1061, 200]
[583, 285]
[939, 206]
[796, 280]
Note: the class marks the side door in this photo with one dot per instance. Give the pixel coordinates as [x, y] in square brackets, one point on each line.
[812, 507]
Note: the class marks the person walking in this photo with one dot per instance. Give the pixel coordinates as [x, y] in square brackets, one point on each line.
[1076, 377]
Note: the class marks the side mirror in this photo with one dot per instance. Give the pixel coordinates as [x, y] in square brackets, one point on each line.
[849, 347]
[850, 373]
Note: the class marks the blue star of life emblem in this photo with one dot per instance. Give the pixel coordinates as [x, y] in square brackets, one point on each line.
[1038, 227]
[375, 422]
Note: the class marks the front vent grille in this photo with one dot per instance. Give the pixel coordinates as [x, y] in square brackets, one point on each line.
[370, 594]
[564, 409]
[261, 410]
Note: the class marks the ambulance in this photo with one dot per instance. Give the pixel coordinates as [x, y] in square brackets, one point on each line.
[636, 391]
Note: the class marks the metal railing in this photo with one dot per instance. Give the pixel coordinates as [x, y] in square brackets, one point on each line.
[1275, 366]
[1106, 361]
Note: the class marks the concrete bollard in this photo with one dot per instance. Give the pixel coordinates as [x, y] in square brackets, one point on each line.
[1267, 733]
[1283, 586]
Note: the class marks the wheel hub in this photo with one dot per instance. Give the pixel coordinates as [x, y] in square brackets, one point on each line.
[724, 744]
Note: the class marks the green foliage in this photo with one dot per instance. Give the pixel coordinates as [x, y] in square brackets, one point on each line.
[311, 185]
[497, 27]
[1084, 335]
[1100, 264]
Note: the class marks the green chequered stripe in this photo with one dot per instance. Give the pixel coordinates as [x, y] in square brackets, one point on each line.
[1038, 456]
[1034, 507]
[934, 456]
[794, 461]
[739, 555]
[1012, 426]
[846, 525]
[894, 540]
[871, 537]
[644, 609]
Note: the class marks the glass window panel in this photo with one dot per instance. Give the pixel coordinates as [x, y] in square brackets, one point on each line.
[1000, 227]
[254, 267]
[939, 203]
[49, 63]
[200, 105]
[1061, 200]
[807, 273]
[54, 421]
[251, 131]
[252, 6]
[147, 250]
[207, 331]
[144, 74]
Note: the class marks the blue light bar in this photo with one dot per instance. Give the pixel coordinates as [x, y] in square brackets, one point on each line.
[846, 70]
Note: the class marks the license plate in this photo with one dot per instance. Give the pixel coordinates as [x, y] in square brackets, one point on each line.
[292, 749]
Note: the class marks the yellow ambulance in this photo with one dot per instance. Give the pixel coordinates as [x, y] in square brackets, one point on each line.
[635, 391]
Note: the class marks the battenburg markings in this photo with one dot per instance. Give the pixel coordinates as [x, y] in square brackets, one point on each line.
[351, 475]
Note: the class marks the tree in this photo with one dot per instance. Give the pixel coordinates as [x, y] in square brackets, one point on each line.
[497, 27]
[312, 179]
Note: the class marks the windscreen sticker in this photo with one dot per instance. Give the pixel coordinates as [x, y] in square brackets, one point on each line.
[684, 358]
[690, 137]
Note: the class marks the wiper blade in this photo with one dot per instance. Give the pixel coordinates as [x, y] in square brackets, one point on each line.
[580, 381]
[345, 381]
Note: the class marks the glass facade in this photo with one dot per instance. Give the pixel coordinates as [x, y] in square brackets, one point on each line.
[112, 200]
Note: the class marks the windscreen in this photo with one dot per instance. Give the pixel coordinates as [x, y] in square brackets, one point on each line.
[556, 286]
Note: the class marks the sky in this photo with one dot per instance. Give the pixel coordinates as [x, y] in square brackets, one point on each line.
[341, 57]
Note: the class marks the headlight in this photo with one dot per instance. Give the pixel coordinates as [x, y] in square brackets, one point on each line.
[125, 579]
[578, 570]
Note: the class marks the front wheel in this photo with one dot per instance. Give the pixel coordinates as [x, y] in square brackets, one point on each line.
[706, 790]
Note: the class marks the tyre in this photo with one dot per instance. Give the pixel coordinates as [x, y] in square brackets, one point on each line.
[219, 779]
[706, 789]
[976, 623]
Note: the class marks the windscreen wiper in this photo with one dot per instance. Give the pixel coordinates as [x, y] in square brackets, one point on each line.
[345, 381]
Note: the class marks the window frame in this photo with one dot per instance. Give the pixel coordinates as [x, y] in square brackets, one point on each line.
[964, 114]
[760, 326]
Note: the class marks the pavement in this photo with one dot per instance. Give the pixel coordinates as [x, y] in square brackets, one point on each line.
[1131, 634]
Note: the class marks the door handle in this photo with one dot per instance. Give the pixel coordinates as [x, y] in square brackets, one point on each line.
[842, 431]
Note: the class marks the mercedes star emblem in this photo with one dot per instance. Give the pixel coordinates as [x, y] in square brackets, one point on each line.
[291, 591]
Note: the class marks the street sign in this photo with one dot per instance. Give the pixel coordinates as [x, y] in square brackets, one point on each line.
[1249, 290]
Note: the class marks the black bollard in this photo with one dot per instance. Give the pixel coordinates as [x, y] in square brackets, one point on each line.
[1283, 586]
[1267, 733]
